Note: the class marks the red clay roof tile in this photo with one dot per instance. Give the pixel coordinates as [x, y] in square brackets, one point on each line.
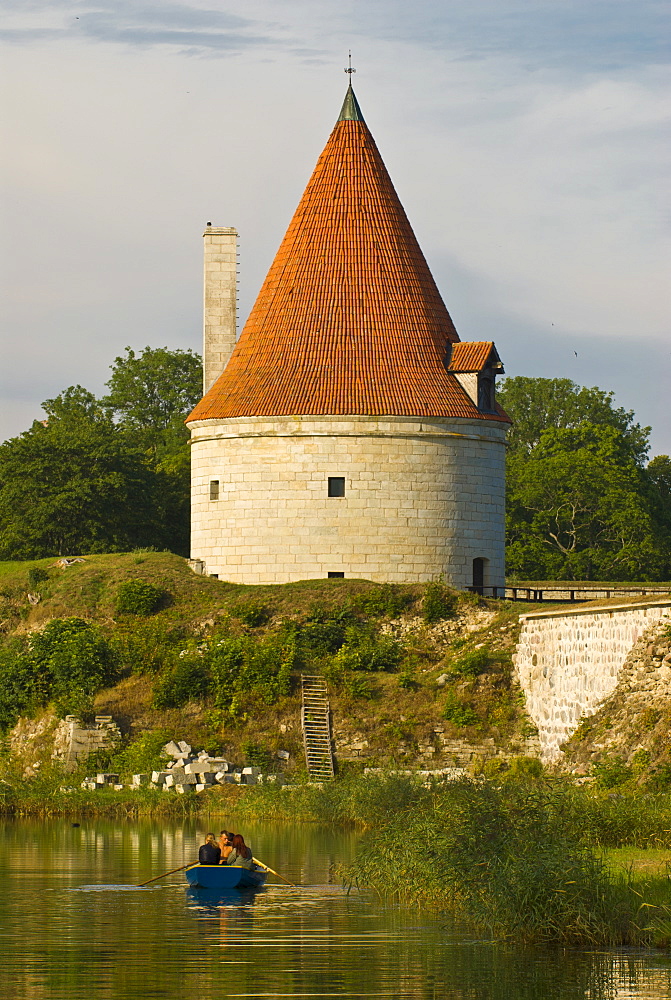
[349, 319]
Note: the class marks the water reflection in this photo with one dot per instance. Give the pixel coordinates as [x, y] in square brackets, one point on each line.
[73, 923]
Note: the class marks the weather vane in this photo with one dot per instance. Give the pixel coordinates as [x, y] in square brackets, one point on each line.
[349, 69]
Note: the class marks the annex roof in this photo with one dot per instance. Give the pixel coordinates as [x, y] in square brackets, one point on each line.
[349, 319]
[473, 356]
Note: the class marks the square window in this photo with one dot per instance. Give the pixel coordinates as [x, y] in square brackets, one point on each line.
[214, 489]
[336, 486]
[335, 576]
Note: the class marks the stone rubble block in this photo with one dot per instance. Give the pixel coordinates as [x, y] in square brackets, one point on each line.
[107, 779]
[171, 749]
[118, 788]
[251, 770]
[140, 779]
[282, 755]
[197, 767]
[184, 747]
[158, 777]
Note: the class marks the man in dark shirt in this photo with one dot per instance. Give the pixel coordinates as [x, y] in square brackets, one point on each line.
[209, 853]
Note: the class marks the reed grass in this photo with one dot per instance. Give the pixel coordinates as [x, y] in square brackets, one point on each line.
[499, 858]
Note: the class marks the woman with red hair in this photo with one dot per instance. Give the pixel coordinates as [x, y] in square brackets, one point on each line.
[240, 856]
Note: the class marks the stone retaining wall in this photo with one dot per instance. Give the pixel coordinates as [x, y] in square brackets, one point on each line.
[568, 662]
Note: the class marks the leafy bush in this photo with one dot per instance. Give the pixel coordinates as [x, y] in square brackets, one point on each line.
[21, 688]
[148, 645]
[143, 754]
[439, 602]
[37, 575]
[252, 614]
[358, 687]
[659, 778]
[241, 666]
[67, 662]
[388, 601]
[136, 597]
[471, 663]
[457, 712]
[72, 654]
[256, 754]
[611, 772]
[364, 650]
[188, 680]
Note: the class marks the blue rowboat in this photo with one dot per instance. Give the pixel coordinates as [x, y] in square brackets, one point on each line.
[224, 877]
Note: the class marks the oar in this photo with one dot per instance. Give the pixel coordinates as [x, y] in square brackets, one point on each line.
[171, 872]
[273, 872]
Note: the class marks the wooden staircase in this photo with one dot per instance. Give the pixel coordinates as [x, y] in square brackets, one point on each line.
[316, 724]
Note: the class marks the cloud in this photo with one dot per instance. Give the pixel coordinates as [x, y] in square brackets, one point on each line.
[184, 26]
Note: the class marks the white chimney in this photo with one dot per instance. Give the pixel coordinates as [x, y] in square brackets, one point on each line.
[219, 301]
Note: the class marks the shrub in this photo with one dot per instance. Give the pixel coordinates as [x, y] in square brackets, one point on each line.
[364, 650]
[252, 614]
[146, 646]
[458, 713]
[188, 680]
[358, 687]
[611, 772]
[245, 666]
[143, 754]
[136, 597]
[472, 663]
[256, 754]
[659, 778]
[388, 601]
[72, 655]
[439, 602]
[21, 688]
[37, 575]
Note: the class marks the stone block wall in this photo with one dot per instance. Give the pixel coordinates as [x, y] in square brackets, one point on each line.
[569, 662]
[422, 497]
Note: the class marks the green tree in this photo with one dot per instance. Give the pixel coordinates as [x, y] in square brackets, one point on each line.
[540, 404]
[73, 483]
[153, 392]
[581, 507]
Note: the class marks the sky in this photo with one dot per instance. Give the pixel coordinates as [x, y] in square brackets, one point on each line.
[527, 140]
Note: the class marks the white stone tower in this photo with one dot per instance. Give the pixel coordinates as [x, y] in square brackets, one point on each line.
[350, 432]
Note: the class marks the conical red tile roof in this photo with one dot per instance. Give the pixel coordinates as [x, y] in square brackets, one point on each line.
[349, 319]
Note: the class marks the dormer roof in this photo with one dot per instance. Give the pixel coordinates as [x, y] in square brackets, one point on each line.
[349, 319]
[474, 356]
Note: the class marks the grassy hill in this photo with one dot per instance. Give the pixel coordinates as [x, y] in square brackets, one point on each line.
[380, 656]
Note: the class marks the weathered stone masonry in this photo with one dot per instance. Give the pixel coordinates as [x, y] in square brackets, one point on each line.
[422, 497]
[569, 662]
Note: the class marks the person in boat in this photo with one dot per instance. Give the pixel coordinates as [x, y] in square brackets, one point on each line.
[225, 845]
[240, 856]
[210, 852]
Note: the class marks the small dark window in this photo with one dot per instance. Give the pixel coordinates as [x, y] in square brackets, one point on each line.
[336, 576]
[214, 489]
[214, 576]
[336, 486]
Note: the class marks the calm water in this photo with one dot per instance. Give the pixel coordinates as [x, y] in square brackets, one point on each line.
[72, 926]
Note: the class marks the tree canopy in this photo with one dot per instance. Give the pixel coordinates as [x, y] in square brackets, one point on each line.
[538, 404]
[104, 475]
[581, 503]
